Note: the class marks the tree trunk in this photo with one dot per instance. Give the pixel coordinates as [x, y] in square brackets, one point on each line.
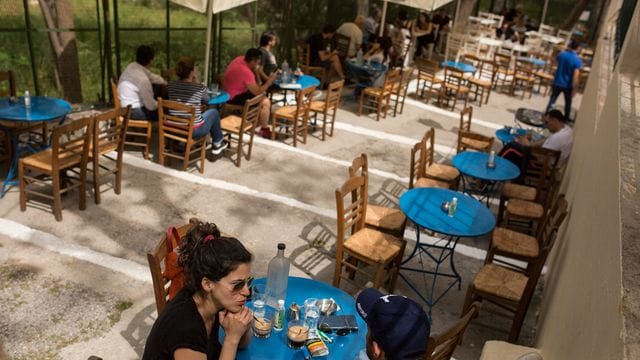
[59, 14]
[574, 15]
[466, 9]
[363, 7]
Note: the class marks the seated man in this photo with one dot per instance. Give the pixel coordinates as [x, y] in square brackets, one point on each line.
[135, 86]
[187, 90]
[241, 84]
[321, 53]
[397, 327]
[561, 139]
[353, 30]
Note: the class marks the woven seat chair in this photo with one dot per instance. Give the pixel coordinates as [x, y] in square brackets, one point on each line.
[343, 43]
[484, 81]
[504, 70]
[544, 77]
[381, 218]
[442, 346]
[237, 126]
[295, 116]
[424, 171]
[469, 140]
[454, 86]
[427, 78]
[69, 150]
[455, 43]
[176, 135]
[378, 98]
[329, 107]
[109, 131]
[399, 92]
[138, 131]
[377, 249]
[523, 78]
[535, 180]
[511, 289]
[515, 245]
[156, 258]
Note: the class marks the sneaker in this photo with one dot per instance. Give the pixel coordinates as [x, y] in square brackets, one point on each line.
[217, 149]
[265, 132]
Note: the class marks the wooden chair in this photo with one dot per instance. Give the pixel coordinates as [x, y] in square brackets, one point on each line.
[381, 218]
[109, 131]
[511, 244]
[544, 77]
[156, 258]
[467, 139]
[7, 77]
[484, 81]
[237, 126]
[179, 131]
[374, 248]
[343, 43]
[546, 29]
[523, 77]
[138, 131]
[378, 98]
[66, 153]
[442, 346]
[295, 116]
[424, 171]
[504, 71]
[399, 92]
[427, 71]
[454, 86]
[329, 107]
[510, 289]
[303, 58]
[455, 42]
[535, 181]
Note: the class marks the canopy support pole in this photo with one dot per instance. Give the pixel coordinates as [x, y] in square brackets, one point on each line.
[383, 18]
[544, 12]
[207, 47]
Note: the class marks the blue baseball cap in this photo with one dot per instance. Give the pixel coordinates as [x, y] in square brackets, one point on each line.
[398, 324]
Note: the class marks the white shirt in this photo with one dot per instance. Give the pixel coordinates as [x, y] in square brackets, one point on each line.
[134, 87]
[353, 32]
[562, 140]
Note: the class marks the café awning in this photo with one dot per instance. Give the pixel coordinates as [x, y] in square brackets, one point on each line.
[426, 5]
[214, 7]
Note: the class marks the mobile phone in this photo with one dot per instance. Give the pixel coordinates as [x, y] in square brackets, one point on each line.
[337, 322]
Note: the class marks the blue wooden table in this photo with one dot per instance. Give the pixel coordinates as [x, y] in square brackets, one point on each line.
[473, 164]
[508, 134]
[301, 82]
[459, 65]
[298, 289]
[16, 117]
[219, 98]
[423, 206]
[535, 61]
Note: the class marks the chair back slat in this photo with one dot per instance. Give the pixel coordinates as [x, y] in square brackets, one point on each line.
[351, 215]
[7, 83]
[343, 43]
[465, 123]
[442, 346]
[391, 79]
[552, 223]
[418, 161]
[334, 91]
[179, 126]
[427, 68]
[454, 77]
[71, 140]
[114, 93]
[109, 129]
[251, 111]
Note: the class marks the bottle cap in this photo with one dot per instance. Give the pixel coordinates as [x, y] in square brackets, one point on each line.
[281, 302]
[281, 246]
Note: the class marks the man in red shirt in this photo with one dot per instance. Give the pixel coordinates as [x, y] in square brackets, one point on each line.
[241, 84]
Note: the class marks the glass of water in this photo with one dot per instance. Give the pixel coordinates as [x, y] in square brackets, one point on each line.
[213, 89]
[311, 314]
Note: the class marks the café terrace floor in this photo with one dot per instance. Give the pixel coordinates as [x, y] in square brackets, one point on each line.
[65, 283]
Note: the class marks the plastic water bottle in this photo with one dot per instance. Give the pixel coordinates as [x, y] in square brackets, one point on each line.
[27, 99]
[452, 206]
[278, 323]
[360, 57]
[277, 278]
[285, 71]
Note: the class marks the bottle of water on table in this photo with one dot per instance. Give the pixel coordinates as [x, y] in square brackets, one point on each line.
[285, 72]
[277, 278]
[27, 99]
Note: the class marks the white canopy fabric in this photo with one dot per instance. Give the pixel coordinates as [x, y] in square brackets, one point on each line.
[215, 6]
[427, 5]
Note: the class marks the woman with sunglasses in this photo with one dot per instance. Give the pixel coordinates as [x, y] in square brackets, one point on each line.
[217, 280]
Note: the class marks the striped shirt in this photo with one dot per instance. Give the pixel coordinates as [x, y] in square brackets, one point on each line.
[189, 93]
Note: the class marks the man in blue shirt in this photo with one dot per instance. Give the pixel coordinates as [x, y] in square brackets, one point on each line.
[566, 78]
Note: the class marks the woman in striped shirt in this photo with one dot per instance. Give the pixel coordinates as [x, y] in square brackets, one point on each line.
[188, 91]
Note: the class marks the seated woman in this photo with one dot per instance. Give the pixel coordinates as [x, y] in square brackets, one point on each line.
[217, 280]
[378, 58]
[188, 91]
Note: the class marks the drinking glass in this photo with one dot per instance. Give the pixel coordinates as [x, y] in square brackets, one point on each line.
[213, 89]
[263, 322]
[311, 313]
[297, 334]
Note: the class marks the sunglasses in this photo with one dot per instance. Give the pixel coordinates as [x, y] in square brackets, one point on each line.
[240, 284]
[325, 328]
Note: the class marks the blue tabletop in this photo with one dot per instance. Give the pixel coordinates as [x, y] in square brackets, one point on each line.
[298, 289]
[473, 163]
[534, 61]
[424, 207]
[504, 134]
[220, 98]
[305, 81]
[373, 67]
[43, 108]
[459, 65]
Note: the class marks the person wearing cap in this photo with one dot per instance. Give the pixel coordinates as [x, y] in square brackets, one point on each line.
[397, 327]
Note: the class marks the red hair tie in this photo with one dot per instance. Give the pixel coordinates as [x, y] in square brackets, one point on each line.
[208, 238]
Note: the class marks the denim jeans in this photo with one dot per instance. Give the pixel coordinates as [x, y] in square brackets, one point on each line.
[142, 113]
[555, 92]
[211, 125]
